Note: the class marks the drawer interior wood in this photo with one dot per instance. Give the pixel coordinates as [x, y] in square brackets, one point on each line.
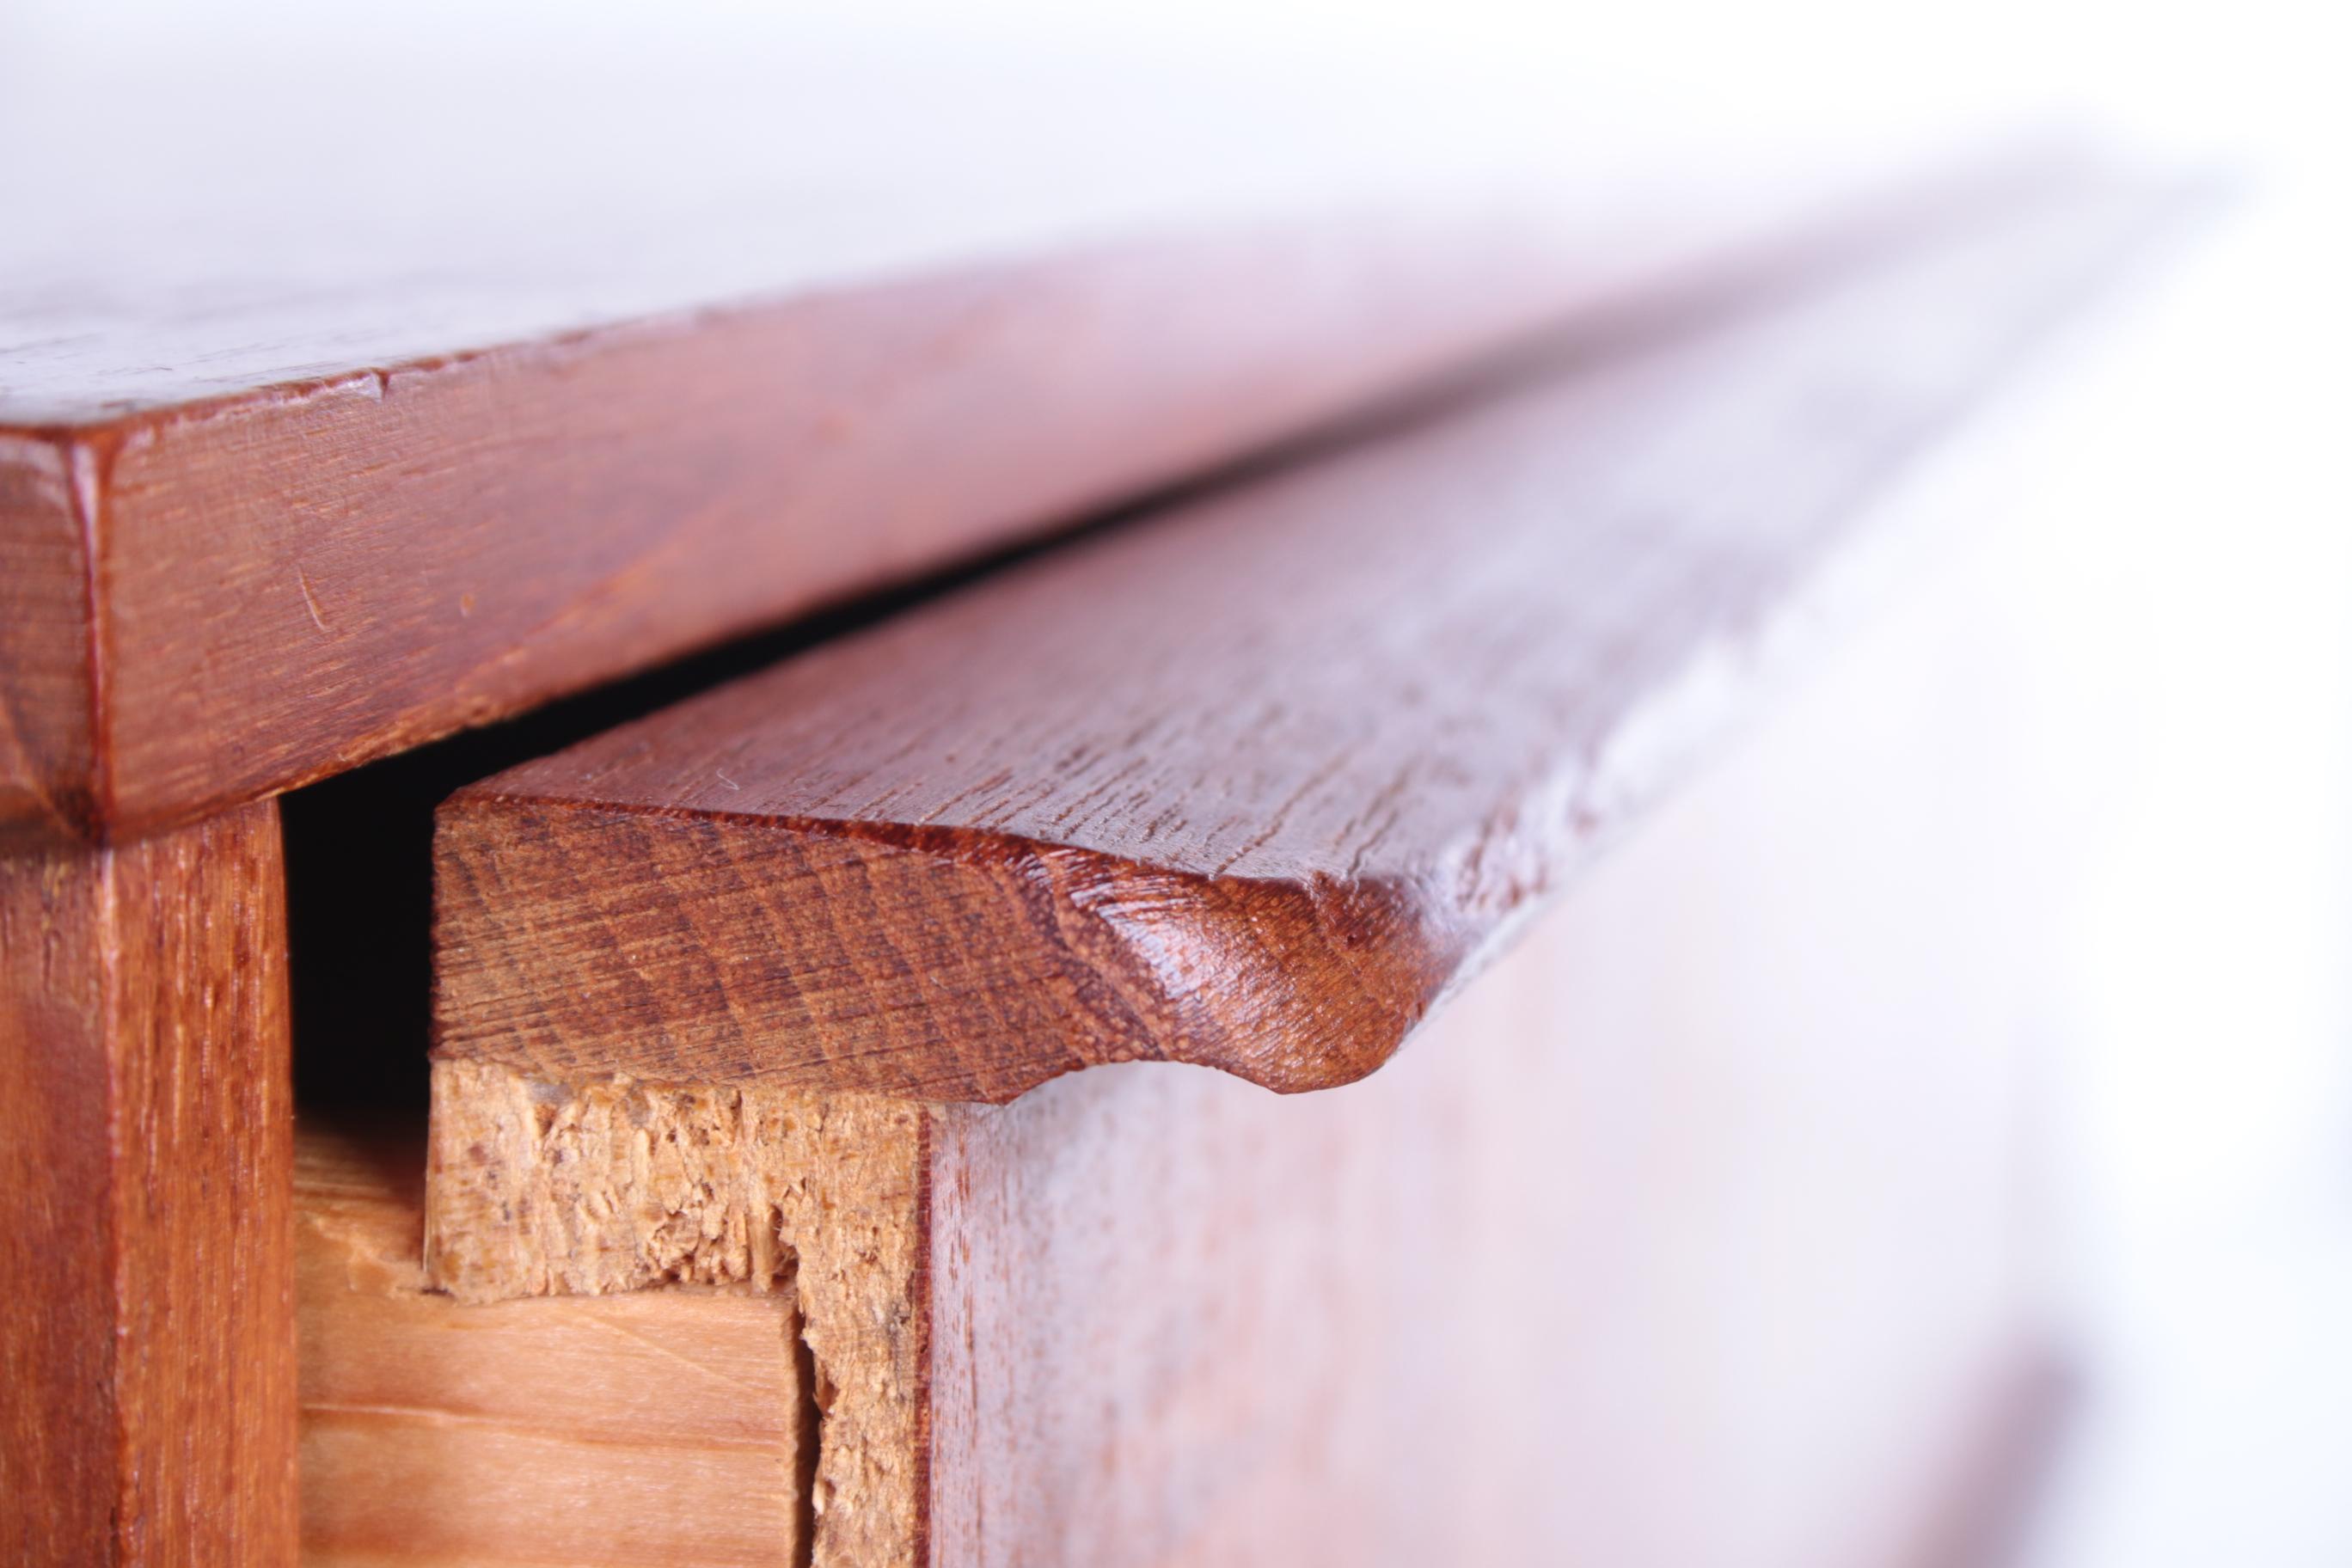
[673, 1425]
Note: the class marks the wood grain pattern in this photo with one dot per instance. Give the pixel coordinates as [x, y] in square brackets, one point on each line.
[1707, 1191]
[664, 1426]
[1256, 785]
[363, 557]
[49, 715]
[543, 1189]
[148, 1348]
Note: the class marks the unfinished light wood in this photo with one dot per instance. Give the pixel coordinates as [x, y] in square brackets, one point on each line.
[618, 1186]
[1255, 785]
[376, 495]
[147, 1347]
[666, 1426]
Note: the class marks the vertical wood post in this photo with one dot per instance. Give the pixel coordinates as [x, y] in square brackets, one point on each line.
[147, 1346]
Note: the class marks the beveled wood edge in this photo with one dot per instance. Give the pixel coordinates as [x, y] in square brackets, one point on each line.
[1426, 940]
[63, 770]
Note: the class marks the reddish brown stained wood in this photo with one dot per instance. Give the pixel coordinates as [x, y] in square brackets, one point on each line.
[1704, 1191]
[48, 696]
[148, 1347]
[1254, 785]
[360, 561]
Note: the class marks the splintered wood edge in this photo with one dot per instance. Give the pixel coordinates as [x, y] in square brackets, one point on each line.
[537, 1188]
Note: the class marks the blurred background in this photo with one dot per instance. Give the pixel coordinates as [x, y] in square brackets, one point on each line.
[2193, 509]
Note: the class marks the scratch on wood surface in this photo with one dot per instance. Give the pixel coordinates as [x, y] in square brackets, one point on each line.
[310, 602]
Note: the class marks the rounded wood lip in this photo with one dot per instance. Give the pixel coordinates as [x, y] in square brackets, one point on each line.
[1255, 783]
[1158, 953]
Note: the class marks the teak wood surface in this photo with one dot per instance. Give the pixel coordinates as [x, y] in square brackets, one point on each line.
[1758, 1090]
[1687, 1235]
[361, 538]
[1255, 785]
[147, 1351]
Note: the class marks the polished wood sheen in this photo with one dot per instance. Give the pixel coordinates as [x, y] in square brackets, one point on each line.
[256, 532]
[1707, 1190]
[1255, 785]
[147, 1351]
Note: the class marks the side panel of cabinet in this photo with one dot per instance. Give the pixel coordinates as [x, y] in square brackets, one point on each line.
[1692, 1233]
